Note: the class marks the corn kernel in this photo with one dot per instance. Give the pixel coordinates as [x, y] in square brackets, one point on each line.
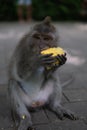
[54, 51]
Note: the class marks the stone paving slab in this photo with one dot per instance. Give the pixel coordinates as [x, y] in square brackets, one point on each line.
[69, 125]
[39, 117]
[80, 108]
[5, 115]
[3, 90]
[76, 95]
[79, 80]
[51, 116]
[64, 99]
[85, 120]
[44, 119]
[6, 122]
[43, 127]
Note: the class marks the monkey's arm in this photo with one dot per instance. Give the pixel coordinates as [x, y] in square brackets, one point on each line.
[28, 62]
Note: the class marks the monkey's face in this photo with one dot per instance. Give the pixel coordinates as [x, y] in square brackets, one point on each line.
[44, 40]
[44, 36]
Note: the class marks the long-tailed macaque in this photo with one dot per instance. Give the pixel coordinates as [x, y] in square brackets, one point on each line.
[31, 85]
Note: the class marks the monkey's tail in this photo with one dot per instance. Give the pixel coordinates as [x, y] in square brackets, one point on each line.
[67, 82]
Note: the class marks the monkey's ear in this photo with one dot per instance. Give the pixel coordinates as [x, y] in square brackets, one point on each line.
[47, 20]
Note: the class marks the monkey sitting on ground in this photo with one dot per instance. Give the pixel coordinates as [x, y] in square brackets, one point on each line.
[31, 85]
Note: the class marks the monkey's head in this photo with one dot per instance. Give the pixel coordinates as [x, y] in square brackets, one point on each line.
[44, 35]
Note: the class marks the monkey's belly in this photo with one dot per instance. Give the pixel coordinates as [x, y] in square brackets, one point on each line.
[37, 97]
[33, 94]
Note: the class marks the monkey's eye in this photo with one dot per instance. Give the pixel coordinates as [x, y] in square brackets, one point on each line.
[46, 38]
[36, 36]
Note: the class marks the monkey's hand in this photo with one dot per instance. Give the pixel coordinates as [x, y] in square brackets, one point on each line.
[46, 60]
[50, 62]
[62, 59]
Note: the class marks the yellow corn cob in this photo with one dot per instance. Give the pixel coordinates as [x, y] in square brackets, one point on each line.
[54, 51]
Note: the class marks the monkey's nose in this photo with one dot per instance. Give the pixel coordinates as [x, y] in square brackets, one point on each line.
[43, 47]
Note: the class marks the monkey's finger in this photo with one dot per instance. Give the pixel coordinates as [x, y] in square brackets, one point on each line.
[65, 54]
[48, 61]
[62, 59]
[48, 58]
[70, 115]
[46, 55]
[74, 117]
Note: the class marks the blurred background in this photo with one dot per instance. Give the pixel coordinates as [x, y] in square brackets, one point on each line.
[70, 19]
[59, 10]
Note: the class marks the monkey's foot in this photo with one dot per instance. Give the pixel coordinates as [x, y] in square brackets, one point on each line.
[62, 112]
[31, 128]
[25, 123]
[69, 114]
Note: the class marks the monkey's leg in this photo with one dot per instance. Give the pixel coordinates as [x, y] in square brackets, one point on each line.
[19, 107]
[55, 106]
[61, 112]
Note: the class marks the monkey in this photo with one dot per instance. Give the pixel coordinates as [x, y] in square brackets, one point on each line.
[31, 85]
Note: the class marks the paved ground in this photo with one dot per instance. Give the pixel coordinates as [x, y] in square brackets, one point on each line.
[73, 37]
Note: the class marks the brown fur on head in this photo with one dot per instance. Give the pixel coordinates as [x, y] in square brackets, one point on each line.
[45, 26]
[47, 20]
[44, 35]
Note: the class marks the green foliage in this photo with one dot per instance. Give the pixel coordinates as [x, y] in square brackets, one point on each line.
[57, 9]
[7, 10]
